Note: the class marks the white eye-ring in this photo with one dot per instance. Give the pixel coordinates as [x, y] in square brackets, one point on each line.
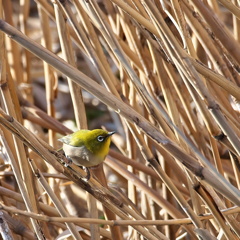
[100, 138]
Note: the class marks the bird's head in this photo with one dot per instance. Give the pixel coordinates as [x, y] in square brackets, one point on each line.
[96, 141]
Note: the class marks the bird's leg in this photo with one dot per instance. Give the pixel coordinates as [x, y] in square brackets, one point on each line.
[69, 162]
[88, 176]
[88, 173]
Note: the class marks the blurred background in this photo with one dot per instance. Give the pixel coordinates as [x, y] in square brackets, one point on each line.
[175, 155]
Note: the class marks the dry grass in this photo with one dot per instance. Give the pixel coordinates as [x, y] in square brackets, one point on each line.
[164, 75]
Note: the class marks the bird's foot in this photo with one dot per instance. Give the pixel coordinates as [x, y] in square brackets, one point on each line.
[69, 162]
[88, 176]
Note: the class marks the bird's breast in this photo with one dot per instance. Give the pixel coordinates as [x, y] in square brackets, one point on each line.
[81, 156]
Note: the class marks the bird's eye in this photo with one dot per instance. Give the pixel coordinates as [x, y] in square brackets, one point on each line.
[100, 138]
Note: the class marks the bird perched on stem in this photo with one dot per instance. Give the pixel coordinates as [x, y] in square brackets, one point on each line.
[87, 148]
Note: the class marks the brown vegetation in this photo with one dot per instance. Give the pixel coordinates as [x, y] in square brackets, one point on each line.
[164, 75]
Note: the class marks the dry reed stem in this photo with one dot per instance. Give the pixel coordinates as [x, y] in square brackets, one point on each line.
[75, 174]
[219, 29]
[161, 140]
[98, 64]
[75, 90]
[24, 176]
[50, 79]
[171, 70]
[77, 220]
[57, 203]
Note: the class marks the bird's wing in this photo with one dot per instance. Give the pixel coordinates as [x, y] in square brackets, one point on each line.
[75, 139]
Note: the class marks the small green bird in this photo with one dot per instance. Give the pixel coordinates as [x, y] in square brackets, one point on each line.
[87, 148]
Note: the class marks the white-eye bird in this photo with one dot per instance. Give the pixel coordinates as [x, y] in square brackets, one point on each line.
[87, 148]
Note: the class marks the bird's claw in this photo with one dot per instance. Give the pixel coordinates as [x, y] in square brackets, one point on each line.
[88, 176]
[69, 162]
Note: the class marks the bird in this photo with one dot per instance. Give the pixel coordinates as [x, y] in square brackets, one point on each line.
[87, 148]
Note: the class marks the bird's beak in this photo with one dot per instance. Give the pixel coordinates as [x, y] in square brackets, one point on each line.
[110, 133]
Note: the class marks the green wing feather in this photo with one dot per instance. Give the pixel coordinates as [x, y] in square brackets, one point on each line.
[75, 139]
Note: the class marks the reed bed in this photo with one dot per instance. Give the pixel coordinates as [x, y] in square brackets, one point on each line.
[164, 75]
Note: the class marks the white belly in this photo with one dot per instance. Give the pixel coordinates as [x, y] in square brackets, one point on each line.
[81, 156]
